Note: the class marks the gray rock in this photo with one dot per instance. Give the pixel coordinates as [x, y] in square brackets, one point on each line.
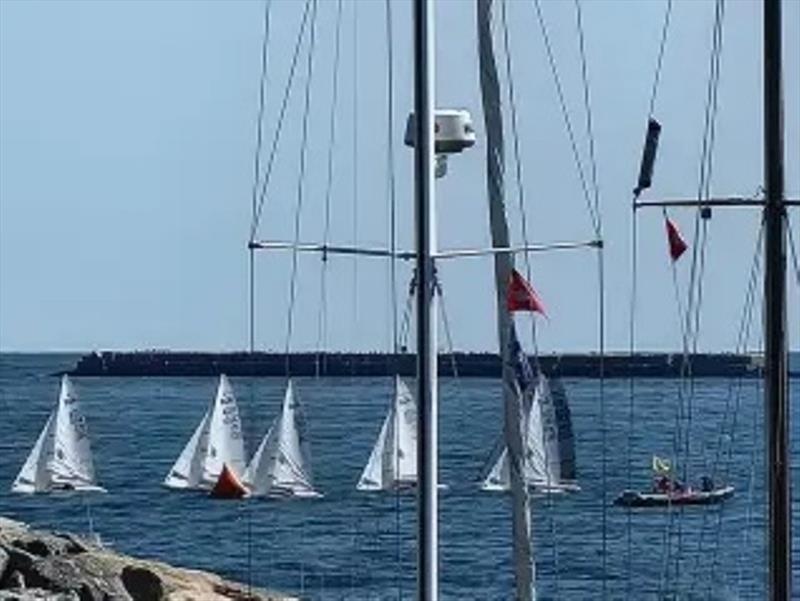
[64, 567]
[3, 562]
[16, 580]
[18, 561]
[34, 546]
[142, 584]
[36, 595]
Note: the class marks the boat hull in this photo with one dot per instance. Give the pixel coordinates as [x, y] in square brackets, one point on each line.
[632, 498]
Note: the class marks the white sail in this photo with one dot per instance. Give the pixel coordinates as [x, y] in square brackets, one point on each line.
[281, 466]
[187, 471]
[61, 459]
[217, 440]
[225, 444]
[393, 461]
[34, 477]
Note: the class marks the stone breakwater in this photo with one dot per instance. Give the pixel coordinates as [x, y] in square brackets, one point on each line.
[38, 565]
[484, 365]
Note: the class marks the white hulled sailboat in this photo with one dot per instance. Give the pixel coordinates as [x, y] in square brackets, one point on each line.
[549, 464]
[393, 461]
[61, 459]
[281, 467]
[217, 442]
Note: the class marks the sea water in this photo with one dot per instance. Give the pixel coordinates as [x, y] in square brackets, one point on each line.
[356, 545]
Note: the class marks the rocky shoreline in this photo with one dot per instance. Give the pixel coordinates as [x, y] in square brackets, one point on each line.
[54, 566]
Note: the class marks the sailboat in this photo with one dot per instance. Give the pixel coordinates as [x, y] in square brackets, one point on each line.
[61, 459]
[281, 467]
[393, 462]
[549, 464]
[216, 444]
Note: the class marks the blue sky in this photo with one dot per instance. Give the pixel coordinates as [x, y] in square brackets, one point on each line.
[127, 134]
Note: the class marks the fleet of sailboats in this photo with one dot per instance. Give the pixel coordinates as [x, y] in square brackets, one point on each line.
[214, 458]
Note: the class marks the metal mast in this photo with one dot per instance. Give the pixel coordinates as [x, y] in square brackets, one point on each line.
[524, 567]
[775, 351]
[425, 225]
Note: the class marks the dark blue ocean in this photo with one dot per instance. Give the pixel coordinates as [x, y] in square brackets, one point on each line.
[346, 545]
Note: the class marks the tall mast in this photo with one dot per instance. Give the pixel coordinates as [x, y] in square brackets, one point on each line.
[524, 569]
[775, 351]
[427, 418]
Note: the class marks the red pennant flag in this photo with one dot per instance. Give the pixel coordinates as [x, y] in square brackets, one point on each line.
[677, 245]
[521, 296]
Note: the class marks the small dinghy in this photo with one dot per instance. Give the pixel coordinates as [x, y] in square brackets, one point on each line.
[61, 459]
[549, 442]
[216, 443]
[690, 496]
[281, 467]
[667, 490]
[393, 462]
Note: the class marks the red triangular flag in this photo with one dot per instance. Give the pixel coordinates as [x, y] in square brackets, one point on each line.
[228, 486]
[521, 296]
[677, 245]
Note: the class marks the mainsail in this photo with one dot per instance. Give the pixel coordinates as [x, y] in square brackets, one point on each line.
[281, 466]
[61, 459]
[393, 461]
[216, 441]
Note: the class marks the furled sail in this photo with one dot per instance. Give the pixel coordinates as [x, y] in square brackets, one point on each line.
[61, 459]
[216, 441]
[281, 467]
[393, 461]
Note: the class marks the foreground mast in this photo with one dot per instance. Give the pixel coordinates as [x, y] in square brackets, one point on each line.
[524, 571]
[427, 418]
[775, 348]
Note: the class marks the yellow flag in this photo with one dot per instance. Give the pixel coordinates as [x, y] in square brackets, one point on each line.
[661, 467]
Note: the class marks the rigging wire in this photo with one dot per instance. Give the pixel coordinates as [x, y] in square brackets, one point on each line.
[300, 183]
[793, 252]
[262, 105]
[595, 220]
[279, 127]
[322, 322]
[392, 197]
[696, 276]
[600, 282]
[750, 487]
[631, 398]
[354, 315]
[742, 347]
[742, 337]
[660, 61]
[690, 314]
[633, 296]
[517, 161]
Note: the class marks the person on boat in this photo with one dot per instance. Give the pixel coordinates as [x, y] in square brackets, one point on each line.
[706, 484]
[662, 485]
